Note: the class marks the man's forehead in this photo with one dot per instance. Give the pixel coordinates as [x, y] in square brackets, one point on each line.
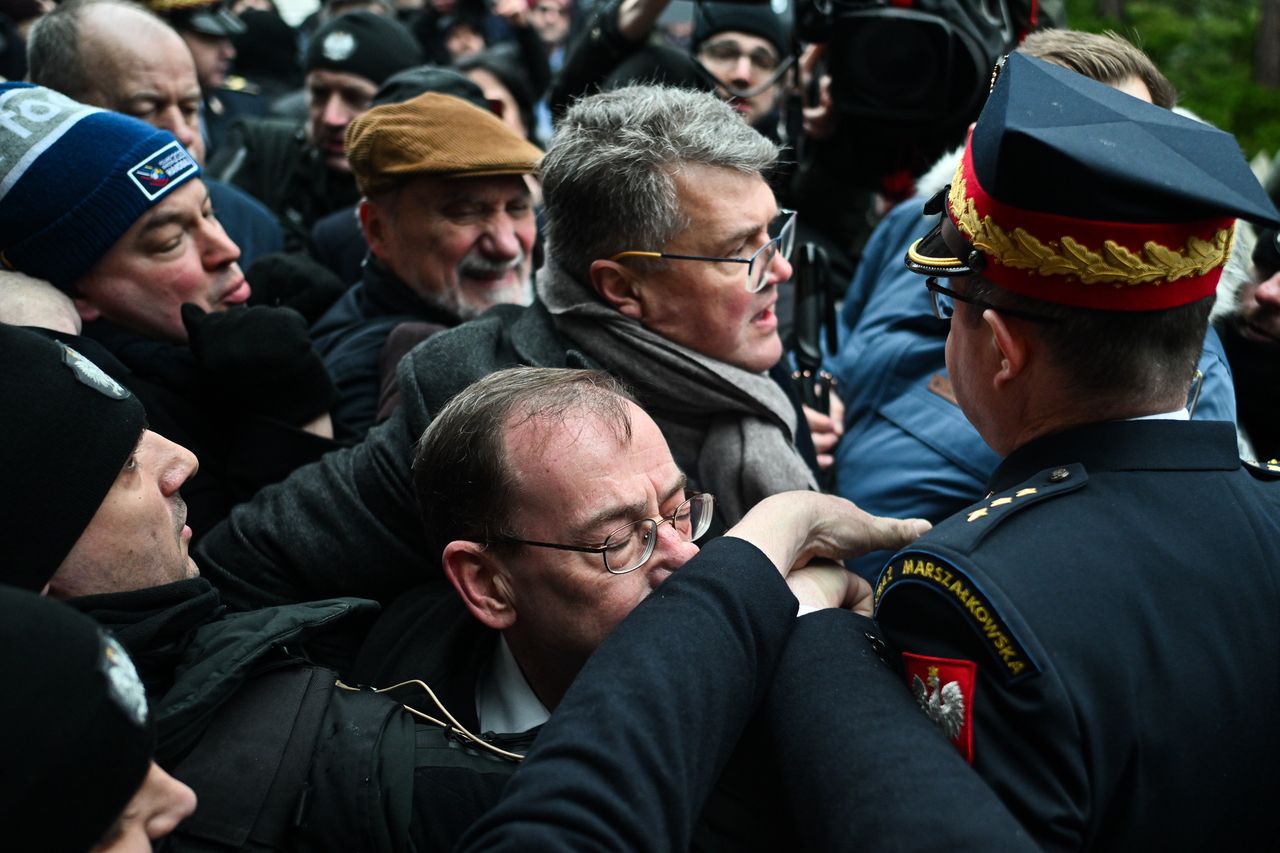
[326, 78]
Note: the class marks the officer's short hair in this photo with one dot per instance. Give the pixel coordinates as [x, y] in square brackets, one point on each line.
[461, 476]
[1112, 356]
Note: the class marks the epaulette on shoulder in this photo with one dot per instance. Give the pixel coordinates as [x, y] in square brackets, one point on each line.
[964, 530]
[1269, 470]
[236, 83]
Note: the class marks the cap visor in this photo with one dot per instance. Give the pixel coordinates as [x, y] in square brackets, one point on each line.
[216, 23]
[930, 255]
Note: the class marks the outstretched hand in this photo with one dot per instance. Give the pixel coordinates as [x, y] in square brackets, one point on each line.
[795, 528]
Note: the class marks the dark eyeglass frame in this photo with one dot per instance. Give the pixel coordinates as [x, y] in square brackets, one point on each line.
[785, 243]
[936, 290]
[695, 533]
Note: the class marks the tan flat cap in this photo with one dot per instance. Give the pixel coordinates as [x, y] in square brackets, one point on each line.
[433, 134]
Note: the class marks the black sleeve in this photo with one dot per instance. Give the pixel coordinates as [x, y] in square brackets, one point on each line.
[860, 765]
[630, 755]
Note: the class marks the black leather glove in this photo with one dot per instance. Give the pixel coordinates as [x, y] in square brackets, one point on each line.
[294, 281]
[260, 359]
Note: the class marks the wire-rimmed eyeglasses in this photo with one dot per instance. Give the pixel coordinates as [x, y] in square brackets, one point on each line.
[631, 545]
[944, 299]
[782, 239]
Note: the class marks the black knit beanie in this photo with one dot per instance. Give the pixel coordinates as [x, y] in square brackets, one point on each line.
[363, 43]
[758, 20]
[77, 736]
[67, 430]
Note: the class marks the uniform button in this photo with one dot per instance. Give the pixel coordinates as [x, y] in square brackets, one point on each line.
[1058, 475]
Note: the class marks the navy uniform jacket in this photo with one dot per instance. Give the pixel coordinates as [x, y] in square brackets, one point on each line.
[1100, 636]
[639, 739]
[908, 450]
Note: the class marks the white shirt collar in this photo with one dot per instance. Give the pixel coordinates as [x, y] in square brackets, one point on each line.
[1178, 415]
[504, 700]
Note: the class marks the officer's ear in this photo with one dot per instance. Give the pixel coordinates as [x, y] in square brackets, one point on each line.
[480, 579]
[1011, 344]
[619, 288]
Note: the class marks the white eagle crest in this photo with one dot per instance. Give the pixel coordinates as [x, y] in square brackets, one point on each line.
[942, 703]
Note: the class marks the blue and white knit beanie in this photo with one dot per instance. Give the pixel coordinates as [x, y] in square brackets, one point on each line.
[74, 178]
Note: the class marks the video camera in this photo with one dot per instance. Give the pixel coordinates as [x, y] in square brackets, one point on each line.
[910, 75]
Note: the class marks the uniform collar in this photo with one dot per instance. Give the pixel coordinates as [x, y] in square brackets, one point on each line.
[1144, 445]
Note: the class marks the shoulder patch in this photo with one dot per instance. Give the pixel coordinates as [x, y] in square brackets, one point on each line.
[944, 687]
[1269, 470]
[921, 569]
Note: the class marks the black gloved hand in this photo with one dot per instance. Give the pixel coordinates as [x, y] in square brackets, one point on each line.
[260, 359]
[294, 281]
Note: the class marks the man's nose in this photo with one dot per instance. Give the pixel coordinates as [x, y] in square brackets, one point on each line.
[501, 239]
[336, 113]
[672, 550]
[177, 465]
[1268, 292]
[779, 269]
[173, 121]
[219, 249]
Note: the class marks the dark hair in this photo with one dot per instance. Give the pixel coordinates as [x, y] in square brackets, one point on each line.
[1114, 357]
[461, 478]
[1105, 57]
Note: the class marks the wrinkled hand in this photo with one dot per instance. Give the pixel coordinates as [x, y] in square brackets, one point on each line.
[824, 584]
[795, 528]
[826, 430]
[260, 359]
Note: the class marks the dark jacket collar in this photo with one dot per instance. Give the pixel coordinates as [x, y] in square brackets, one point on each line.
[385, 294]
[1125, 446]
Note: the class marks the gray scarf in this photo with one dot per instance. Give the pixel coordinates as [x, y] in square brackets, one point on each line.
[740, 426]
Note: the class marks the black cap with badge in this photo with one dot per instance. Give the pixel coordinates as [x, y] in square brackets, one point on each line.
[68, 429]
[201, 16]
[77, 737]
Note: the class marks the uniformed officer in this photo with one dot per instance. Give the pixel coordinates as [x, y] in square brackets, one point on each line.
[1098, 636]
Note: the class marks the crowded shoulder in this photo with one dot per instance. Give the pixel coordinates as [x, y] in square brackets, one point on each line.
[628, 425]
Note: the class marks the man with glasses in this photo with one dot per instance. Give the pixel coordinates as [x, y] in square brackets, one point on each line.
[1093, 634]
[665, 249]
[557, 508]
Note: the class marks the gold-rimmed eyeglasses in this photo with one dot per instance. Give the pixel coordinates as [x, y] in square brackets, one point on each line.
[782, 239]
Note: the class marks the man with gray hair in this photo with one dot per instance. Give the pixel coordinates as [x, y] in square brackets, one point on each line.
[666, 245]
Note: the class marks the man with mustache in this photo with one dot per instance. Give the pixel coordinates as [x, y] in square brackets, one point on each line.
[449, 222]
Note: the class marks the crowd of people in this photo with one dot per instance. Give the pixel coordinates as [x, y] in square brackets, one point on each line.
[411, 447]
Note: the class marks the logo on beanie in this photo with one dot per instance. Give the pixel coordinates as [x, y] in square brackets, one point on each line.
[338, 46]
[90, 374]
[123, 685]
[163, 170]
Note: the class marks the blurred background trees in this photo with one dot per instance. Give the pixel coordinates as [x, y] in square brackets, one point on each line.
[1222, 55]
